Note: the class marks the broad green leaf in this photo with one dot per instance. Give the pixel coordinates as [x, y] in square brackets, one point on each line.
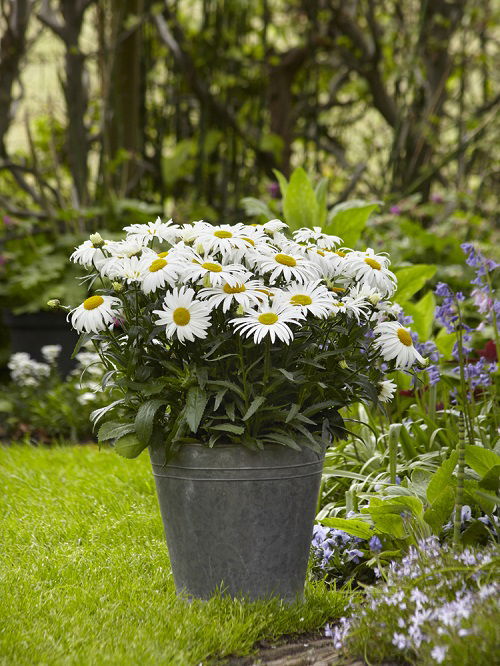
[229, 427]
[6, 406]
[481, 460]
[282, 182]
[321, 192]
[254, 406]
[196, 401]
[439, 511]
[129, 446]
[411, 279]
[389, 523]
[254, 206]
[357, 528]
[491, 480]
[442, 477]
[348, 219]
[445, 342]
[423, 315]
[300, 207]
[409, 502]
[114, 430]
[145, 417]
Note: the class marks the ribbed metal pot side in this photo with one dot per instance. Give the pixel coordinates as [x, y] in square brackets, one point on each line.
[237, 520]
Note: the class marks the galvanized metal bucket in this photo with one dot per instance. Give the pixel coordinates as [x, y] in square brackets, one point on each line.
[238, 521]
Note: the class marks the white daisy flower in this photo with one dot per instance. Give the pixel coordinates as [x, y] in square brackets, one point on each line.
[247, 293]
[212, 272]
[223, 238]
[269, 320]
[117, 251]
[95, 313]
[317, 236]
[387, 389]
[291, 265]
[372, 269]
[51, 353]
[144, 233]
[313, 297]
[87, 254]
[273, 226]
[352, 307]
[183, 316]
[159, 272]
[332, 263]
[395, 342]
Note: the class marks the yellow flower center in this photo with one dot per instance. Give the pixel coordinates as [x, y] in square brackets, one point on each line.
[285, 259]
[157, 265]
[405, 337]
[248, 240]
[93, 302]
[239, 289]
[181, 316]
[162, 255]
[373, 263]
[320, 253]
[268, 318]
[339, 304]
[301, 299]
[223, 234]
[340, 253]
[213, 268]
[337, 290]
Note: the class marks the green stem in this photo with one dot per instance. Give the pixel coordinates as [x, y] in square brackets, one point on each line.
[459, 499]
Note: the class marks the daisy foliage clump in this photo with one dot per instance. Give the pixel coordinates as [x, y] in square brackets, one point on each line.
[238, 333]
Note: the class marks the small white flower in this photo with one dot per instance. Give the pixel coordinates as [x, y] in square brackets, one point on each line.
[224, 238]
[311, 298]
[273, 226]
[247, 293]
[159, 272]
[352, 307]
[395, 342]
[86, 398]
[269, 320]
[213, 272]
[317, 236]
[95, 313]
[87, 254]
[144, 233]
[290, 265]
[183, 316]
[387, 389]
[51, 353]
[129, 269]
[438, 653]
[371, 269]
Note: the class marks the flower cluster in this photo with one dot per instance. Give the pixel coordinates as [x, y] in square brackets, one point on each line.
[272, 282]
[27, 372]
[419, 613]
[336, 554]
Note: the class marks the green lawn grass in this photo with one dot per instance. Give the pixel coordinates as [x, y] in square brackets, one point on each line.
[85, 576]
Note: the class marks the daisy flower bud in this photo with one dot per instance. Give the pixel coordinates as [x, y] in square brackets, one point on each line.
[118, 287]
[54, 303]
[96, 240]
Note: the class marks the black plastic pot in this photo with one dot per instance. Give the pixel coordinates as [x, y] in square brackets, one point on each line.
[238, 521]
[30, 332]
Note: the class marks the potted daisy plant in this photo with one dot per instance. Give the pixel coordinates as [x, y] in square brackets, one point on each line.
[230, 351]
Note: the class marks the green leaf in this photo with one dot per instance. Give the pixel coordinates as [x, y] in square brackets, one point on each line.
[114, 430]
[445, 342]
[282, 181]
[411, 279]
[254, 206]
[481, 460]
[229, 427]
[439, 511]
[442, 477]
[321, 192]
[196, 401]
[300, 207]
[491, 480]
[145, 417]
[254, 406]
[389, 523]
[409, 502]
[357, 528]
[423, 315]
[348, 219]
[129, 446]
